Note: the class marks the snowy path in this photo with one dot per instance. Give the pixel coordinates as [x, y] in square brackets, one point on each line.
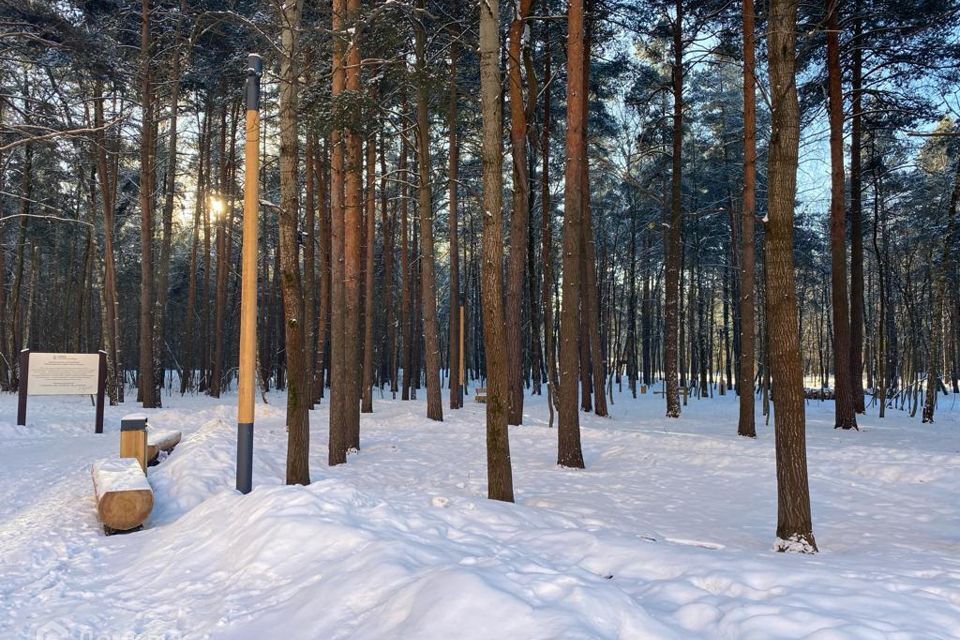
[666, 534]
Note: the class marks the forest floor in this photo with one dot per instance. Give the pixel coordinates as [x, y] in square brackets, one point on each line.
[668, 533]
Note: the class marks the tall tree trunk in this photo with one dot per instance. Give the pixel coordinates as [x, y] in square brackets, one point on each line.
[746, 425]
[590, 293]
[845, 416]
[388, 226]
[673, 249]
[352, 233]
[569, 453]
[368, 296]
[546, 222]
[406, 276]
[170, 185]
[428, 291]
[520, 217]
[323, 234]
[310, 264]
[499, 471]
[456, 395]
[146, 387]
[218, 207]
[298, 401]
[856, 214]
[108, 191]
[794, 523]
[340, 388]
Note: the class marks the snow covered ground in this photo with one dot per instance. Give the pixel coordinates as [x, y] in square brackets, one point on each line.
[667, 534]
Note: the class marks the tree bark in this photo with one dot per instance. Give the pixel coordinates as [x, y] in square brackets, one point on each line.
[856, 214]
[845, 415]
[368, 296]
[298, 401]
[166, 237]
[499, 472]
[520, 216]
[794, 523]
[456, 392]
[146, 387]
[673, 249]
[428, 291]
[339, 376]
[746, 425]
[569, 453]
[352, 232]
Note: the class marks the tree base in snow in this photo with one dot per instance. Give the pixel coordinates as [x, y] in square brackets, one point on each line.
[794, 544]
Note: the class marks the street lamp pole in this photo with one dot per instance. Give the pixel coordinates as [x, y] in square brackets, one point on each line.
[246, 376]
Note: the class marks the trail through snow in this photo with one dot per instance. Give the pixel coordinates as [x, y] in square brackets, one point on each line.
[668, 533]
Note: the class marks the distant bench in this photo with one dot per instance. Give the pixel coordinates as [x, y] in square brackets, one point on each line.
[480, 394]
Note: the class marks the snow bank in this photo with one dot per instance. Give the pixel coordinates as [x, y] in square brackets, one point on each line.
[666, 534]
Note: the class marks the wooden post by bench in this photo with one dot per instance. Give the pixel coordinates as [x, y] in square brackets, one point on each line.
[133, 438]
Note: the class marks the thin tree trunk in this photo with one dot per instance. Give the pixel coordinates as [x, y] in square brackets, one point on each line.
[367, 391]
[456, 395]
[856, 216]
[746, 426]
[672, 294]
[845, 416]
[569, 453]
[310, 264]
[431, 330]
[546, 222]
[146, 387]
[166, 237]
[520, 216]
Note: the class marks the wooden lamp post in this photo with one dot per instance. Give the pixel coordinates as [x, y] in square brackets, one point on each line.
[246, 376]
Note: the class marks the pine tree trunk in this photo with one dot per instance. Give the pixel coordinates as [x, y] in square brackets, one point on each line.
[146, 386]
[794, 523]
[166, 237]
[673, 249]
[220, 281]
[746, 426]
[499, 472]
[108, 191]
[298, 401]
[590, 303]
[323, 234]
[856, 216]
[456, 392]
[845, 415]
[367, 391]
[428, 288]
[406, 323]
[520, 216]
[352, 234]
[546, 253]
[340, 392]
[388, 224]
[569, 453]
[310, 265]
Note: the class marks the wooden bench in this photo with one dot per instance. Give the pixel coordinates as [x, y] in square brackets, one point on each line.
[480, 394]
[160, 441]
[123, 495]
